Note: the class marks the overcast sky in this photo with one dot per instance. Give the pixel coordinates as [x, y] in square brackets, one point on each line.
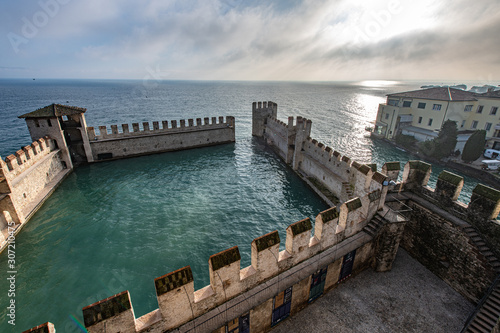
[252, 40]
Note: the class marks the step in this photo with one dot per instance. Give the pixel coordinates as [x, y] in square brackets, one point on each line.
[479, 328]
[473, 329]
[482, 327]
[490, 315]
[494, 309]
[486, 319]
[495, 295]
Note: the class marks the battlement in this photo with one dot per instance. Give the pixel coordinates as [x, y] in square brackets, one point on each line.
[179, 302]
[260, 112]
[344, 177]
[26, 157]
[484, 203]
[174, 126]
[111, 143]
[257, 106]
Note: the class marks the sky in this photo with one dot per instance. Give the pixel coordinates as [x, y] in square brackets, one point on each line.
[300, 40]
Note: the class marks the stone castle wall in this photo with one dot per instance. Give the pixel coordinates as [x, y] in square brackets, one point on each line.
[26, 179]
[132, 141]
[365, 229]
[254, 290]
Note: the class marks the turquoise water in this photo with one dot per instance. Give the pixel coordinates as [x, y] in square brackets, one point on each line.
[118, 225]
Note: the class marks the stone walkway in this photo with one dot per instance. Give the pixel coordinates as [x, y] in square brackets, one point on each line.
[407, 299]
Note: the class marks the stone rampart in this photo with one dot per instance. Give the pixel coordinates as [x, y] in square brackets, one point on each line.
[281, 136]
[457, 241]
[342, 176]
[133, 141]
[26, 179]
[180, 304]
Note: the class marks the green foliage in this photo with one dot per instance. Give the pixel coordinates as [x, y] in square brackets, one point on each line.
[444, 144]
[406, 141]
[474, 146]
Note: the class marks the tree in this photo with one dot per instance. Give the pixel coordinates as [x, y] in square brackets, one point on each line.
[444, 144]
[474, 146]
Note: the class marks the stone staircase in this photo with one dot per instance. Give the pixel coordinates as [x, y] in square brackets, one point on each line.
[487, 315]
[483, 248]
[374, 225]
[346, 188]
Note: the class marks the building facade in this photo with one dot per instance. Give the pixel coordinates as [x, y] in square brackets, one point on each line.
[422, 113]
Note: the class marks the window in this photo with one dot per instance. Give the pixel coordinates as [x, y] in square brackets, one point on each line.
[430, 122]
[436, 107]
[37, 124]
[468, 108]
[406, 104]
[421, 105]
[463, 124]
[480, 109]
[387, 116]
[49, 122]
[419, 120]
[494, 110]
[474, 124]
[487, 127]
[393, 102]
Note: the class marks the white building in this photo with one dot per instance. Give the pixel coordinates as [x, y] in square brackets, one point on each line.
[422, 113]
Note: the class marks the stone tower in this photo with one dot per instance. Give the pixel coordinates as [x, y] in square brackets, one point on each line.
[260, 112]
[67, 126]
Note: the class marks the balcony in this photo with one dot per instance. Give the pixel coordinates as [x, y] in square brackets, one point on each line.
[405, 118]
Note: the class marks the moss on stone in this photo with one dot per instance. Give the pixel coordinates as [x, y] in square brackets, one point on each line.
[301, 226]
[379, 177]
[419, 165]
[329, 214]
[173, 280]
[225, 258]
[267, 240]
[364, 169]
[487, 192]
[353, 204]
[450, 177]
[392, 166]
[106, 308]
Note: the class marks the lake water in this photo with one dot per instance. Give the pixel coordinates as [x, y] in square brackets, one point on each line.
[116, 226]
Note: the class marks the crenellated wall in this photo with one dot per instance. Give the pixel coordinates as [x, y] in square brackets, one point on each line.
[365, 229]
[458, 242]
[132, 141]
[342, 176]
[249, 289]
[26, 179]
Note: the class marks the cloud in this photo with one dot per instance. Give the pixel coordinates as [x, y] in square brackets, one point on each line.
[236, 39]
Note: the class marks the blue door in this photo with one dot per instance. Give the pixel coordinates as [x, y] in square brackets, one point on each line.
[282, 303]
[317, 284]
[347, 264]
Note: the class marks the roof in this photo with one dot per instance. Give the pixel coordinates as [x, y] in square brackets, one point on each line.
[54, 110]
[490, 94]
[439, 94]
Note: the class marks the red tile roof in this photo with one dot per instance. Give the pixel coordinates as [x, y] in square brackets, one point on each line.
[439, 93]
